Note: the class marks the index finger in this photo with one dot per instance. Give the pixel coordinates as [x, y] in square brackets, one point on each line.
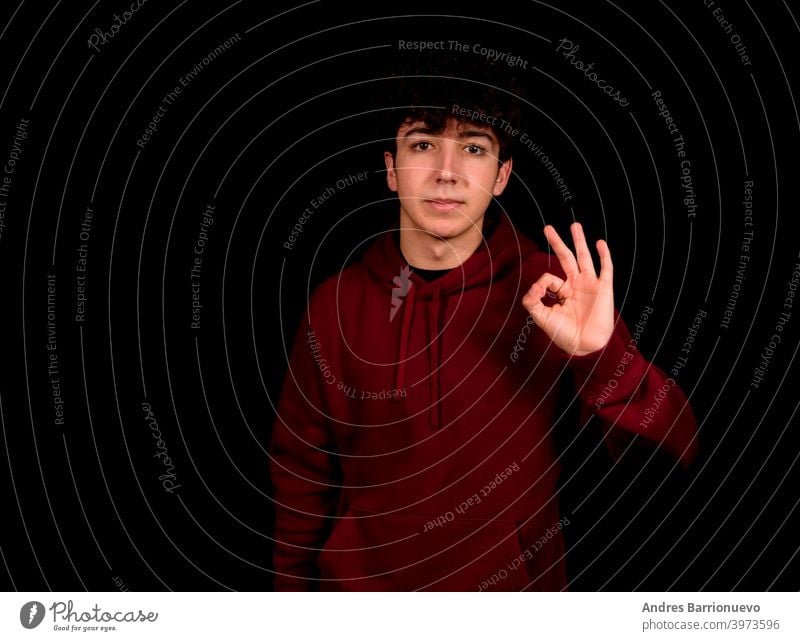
[582, 249]
[565, 257]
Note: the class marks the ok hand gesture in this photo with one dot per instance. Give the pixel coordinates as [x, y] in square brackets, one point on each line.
[583, 319]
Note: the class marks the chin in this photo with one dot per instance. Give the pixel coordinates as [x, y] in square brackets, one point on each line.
[445, 226]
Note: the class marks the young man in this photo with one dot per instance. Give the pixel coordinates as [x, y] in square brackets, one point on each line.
[413, 444]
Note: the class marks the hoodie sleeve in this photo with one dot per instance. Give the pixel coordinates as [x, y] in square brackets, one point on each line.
[631, 396]
[303, 467]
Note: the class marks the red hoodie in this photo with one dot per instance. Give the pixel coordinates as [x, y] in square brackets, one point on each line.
[413, 444]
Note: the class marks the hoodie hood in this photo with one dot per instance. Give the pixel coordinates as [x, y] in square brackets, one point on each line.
[416, 300]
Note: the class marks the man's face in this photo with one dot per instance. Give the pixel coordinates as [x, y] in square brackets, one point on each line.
[445, 181]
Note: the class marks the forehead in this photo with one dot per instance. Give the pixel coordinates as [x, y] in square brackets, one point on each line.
[453, 129]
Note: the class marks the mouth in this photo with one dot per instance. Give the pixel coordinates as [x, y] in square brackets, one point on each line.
[444, 204]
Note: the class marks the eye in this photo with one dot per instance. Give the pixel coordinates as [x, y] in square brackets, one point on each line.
[422, 145]
[475, 150]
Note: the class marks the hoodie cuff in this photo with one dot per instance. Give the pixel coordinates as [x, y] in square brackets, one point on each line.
[611, 372]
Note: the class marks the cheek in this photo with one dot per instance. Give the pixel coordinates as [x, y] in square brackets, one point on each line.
[481, 170]
[485, 181]
[408, 179]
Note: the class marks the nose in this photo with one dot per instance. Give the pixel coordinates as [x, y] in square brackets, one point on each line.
[447, 169]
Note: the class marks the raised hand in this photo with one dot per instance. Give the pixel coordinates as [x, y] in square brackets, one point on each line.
[582, 320]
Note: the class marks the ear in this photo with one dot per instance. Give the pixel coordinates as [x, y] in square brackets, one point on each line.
[503, 174]
[391, 172]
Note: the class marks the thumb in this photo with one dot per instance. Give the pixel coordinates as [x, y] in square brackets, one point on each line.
[532, 301]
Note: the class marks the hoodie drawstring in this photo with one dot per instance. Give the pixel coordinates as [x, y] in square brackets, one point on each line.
[400, 379]
[434, 322]
[434, 358]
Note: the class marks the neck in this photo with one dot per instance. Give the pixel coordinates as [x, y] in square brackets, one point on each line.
[426, 251]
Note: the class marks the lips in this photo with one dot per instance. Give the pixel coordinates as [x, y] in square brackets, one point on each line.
[444, 204]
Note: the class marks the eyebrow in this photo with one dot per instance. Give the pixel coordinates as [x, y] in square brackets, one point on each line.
[419, 130]
[471, 133]
[478, 133]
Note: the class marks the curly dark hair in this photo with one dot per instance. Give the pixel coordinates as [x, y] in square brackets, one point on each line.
[462, 87]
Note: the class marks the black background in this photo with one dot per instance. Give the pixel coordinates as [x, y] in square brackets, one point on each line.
[291, 108]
